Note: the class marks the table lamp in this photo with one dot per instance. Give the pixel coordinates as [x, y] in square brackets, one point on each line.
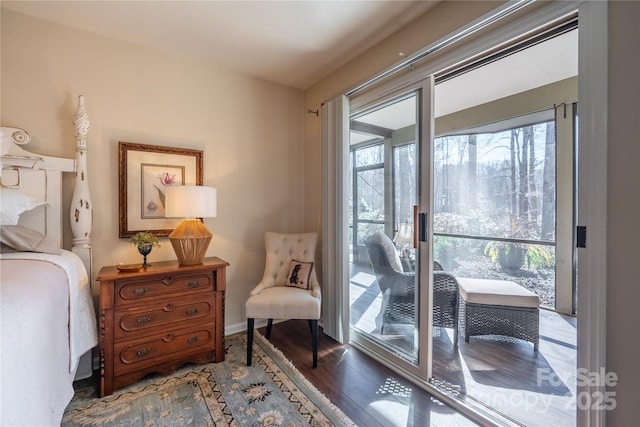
[405, 238]
[405, 233]
[190, 239]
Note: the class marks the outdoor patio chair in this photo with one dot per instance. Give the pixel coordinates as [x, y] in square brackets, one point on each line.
[398, 287]
[445, 302]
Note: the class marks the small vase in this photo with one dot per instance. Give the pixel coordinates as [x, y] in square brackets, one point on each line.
[144, 251]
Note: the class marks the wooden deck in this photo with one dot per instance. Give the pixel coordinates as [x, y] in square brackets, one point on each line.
[534, 389]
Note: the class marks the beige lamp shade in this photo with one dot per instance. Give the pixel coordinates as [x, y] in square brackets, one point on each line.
[191, 238]
[405, 233]
[190, 201]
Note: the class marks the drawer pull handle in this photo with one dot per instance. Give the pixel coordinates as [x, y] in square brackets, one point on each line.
[169, 307]
[144, 319]
[193, 339]
[168, 281]
[143, 352]
[192, 311]
[140, 291]
[194, 284]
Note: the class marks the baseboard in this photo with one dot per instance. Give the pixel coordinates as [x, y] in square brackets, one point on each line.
[242, 326]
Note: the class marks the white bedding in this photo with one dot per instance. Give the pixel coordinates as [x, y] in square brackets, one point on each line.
[47, 323]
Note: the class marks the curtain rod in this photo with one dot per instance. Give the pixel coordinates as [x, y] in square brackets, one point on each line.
[483, 22]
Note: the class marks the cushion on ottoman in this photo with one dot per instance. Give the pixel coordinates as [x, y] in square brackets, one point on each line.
[496, 292]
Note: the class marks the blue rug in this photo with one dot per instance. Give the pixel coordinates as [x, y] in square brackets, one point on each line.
[272, 392]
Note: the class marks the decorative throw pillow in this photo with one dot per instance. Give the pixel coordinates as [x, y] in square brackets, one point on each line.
[299, 274]
[13, 203]
[23, 239]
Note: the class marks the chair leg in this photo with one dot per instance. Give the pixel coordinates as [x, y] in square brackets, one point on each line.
[455, 334]
[249, 341]
[314, 340]
[455, 324]
[269, 325]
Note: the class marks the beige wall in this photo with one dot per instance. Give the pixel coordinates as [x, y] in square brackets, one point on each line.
[250, 131]
[623, 270]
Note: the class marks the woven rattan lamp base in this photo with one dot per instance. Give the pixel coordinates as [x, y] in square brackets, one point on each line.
[190, 241]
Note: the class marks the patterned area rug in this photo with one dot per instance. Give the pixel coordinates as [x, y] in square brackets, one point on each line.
[272, 392]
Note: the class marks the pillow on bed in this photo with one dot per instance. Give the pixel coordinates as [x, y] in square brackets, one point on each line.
[13, 203]
[17, 238]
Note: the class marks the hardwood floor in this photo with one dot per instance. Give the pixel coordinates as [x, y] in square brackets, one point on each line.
[366, 391]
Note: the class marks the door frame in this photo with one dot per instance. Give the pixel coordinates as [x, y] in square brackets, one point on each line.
[382, 94]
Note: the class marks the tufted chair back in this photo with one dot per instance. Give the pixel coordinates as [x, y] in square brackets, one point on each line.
[281, 248]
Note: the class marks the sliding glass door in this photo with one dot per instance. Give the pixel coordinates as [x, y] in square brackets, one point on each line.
[500, 174]
[386, 312]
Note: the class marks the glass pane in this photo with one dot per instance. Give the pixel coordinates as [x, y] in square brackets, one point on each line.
[497, 184]
[369, 155]
[492, 186]
[370, 188]
[531, 266]
[404, 180]
[382, 289]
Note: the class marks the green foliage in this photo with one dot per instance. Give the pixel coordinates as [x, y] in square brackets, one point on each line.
[538, 256]
[534, 255]
[143, 238]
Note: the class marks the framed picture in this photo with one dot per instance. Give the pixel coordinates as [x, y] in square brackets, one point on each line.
[144, 173]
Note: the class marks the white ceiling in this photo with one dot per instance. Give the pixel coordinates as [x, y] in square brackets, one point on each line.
[541, 64]
[294, 43]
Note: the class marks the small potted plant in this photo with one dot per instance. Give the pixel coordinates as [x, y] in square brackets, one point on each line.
[144, 242]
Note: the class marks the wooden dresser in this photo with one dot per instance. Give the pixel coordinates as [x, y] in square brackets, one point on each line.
[159, 318]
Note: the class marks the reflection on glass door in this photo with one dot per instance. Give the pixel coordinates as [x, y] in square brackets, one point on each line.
[383, 284]
[503, 219]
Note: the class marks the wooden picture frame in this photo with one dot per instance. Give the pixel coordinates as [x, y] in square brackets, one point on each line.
[143, 172]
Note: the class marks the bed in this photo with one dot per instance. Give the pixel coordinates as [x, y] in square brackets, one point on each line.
[47, 317]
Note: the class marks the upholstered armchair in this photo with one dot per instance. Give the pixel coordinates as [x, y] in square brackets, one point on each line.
[289, 288]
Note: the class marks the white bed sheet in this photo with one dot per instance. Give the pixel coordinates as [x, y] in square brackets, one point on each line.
[47, 323]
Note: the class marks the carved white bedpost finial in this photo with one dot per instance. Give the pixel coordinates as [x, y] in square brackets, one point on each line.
[81, 207]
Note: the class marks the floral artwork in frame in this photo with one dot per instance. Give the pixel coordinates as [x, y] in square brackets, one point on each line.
[155, 179]
[144, 173]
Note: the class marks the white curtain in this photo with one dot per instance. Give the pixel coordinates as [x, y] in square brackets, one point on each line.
[335, 250]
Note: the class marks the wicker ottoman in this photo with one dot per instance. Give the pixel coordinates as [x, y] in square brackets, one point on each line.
[499, 307]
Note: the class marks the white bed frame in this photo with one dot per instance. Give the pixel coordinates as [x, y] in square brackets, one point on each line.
[41, 177]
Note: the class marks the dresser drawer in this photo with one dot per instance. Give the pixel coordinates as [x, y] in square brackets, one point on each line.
[128, 292]
[163, 314]
[155, 349]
